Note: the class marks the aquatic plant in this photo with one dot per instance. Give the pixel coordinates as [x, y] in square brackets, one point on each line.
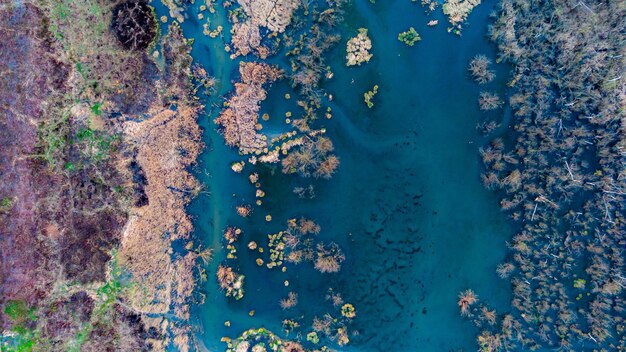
[291, 346]
[489, 101]
[244, 210]
[409, 37]
[308, 62]
[348, 311]
[289, 302]
[312, 337]
[237, 166]
[430, 5]
[274, 16]
[329, 258]
[238, 121]
[479, 69]
[334, 297]
[303, 226]
[504, 270]
[258, 337]
[369, 95]
[230, 282]
[457, 12]
[568, 190]
[466, 299]
[305, 192]
[358, 49]
[312, 158]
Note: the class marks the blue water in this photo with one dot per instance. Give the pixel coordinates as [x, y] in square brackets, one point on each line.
[406, 205]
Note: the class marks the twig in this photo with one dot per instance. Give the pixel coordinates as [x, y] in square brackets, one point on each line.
[570, 171]
[606, 209]
[585, 6]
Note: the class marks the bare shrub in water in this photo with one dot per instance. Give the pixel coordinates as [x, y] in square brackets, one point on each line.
[489, 101]
[329, 258]
[289, 302]
[312, 158]
[479, 69]
[466, 299]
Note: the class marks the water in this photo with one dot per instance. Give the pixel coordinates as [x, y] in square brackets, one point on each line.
[406, 205]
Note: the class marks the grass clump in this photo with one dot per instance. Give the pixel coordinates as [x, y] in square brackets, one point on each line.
[369, 95]
[409, 37]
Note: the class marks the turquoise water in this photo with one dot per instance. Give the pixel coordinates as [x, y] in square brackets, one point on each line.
[407, 205]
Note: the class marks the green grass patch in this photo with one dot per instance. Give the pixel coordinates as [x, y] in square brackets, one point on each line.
[19, 338]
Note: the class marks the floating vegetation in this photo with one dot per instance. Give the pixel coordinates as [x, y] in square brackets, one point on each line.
[409, 37]
[299, 149]
[255, 340]
[333, 328]
[358, 49]
[430, 5]
[348, 311]
[312, 158]
[230, 282]
[312, 337]
[457, 12]
[231, 235]
[273, 16]
[237, 166]
[369, 95]
[240, 118]
[244, 210]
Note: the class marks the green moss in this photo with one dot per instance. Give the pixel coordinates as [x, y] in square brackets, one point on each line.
[312, 337]
[6, 204]
[580, 283]
[95, 108]
[19, 311]
[19, 337]
[368, 96]
[409, 37]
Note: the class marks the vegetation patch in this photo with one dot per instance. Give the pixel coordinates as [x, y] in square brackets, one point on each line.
[134, 24]
[409, 37]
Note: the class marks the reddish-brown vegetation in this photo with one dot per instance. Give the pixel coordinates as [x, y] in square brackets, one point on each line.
[82, 181]
[239, 119]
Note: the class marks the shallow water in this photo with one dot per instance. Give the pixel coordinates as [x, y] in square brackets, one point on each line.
[406, 205]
